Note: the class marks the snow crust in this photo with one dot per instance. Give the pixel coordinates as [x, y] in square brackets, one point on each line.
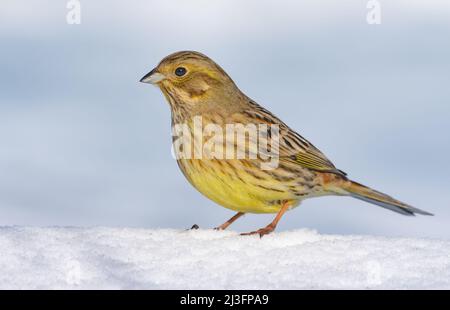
[129, 258]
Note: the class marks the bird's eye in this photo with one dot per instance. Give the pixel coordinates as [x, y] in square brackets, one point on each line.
[180, 71]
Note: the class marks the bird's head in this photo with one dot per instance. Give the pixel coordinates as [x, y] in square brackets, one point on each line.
[189, 77]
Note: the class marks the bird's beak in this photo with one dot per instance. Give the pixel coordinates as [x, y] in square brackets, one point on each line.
[153, 77]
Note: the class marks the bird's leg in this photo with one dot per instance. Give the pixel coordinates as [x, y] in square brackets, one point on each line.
[230, 221]
[271, 227]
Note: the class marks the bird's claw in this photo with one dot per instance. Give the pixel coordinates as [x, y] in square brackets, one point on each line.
[261, 232]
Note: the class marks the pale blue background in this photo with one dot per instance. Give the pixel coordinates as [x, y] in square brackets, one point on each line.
[83, 143]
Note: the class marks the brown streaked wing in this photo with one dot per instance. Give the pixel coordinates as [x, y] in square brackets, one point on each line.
[294, 146]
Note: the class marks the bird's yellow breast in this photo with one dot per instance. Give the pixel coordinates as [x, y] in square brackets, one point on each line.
[228, 183]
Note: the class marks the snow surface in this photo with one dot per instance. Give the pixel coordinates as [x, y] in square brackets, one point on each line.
[125, 258]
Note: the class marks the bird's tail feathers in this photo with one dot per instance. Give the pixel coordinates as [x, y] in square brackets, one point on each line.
[367, 194]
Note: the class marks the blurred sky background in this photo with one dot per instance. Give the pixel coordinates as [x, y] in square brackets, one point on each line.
[83, 143]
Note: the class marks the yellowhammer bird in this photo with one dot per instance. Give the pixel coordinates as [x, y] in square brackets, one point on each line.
[198, 89]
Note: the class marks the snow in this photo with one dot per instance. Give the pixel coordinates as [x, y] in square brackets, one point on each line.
[130, 258]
